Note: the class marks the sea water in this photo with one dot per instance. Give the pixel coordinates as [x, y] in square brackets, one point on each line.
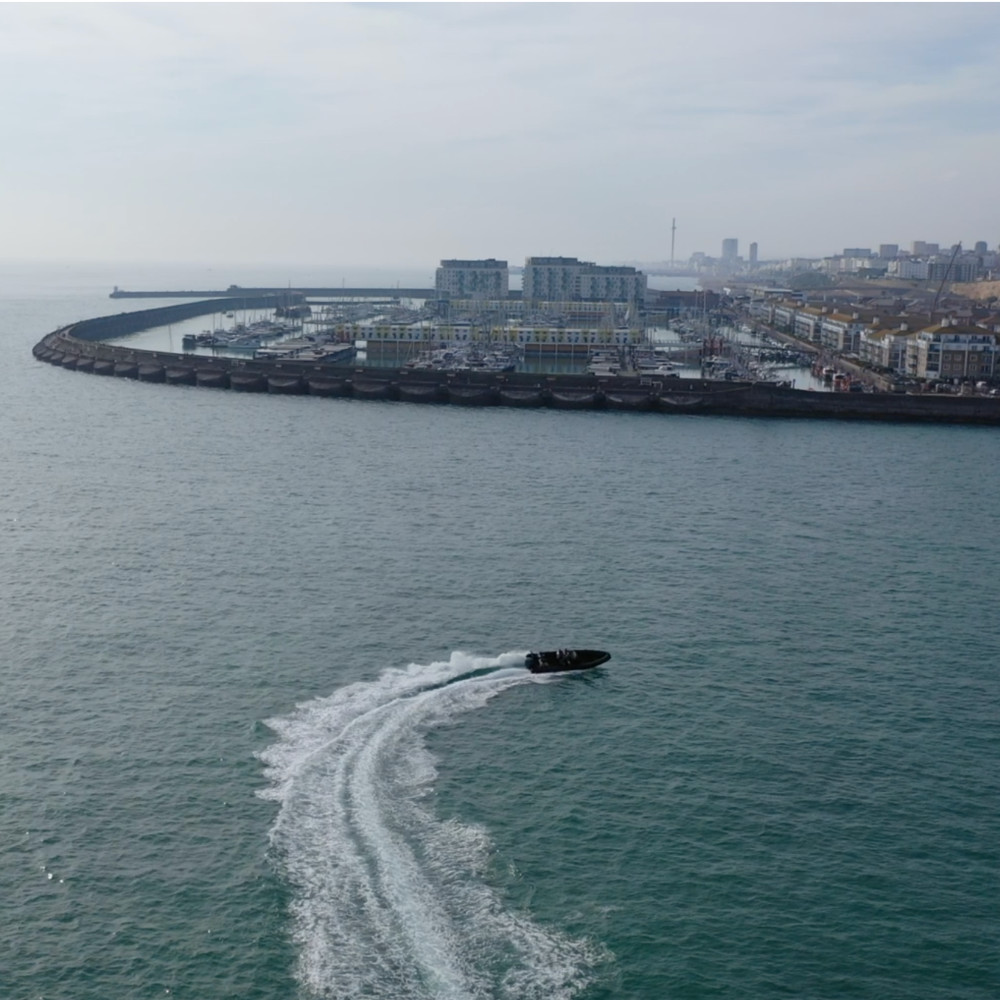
[265, 732]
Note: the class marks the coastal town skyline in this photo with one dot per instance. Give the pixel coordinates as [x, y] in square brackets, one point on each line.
[367, 133]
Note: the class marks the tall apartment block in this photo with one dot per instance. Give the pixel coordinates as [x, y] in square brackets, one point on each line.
[473, 279]
[566, 279]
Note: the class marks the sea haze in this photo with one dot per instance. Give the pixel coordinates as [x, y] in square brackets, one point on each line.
[265, 732]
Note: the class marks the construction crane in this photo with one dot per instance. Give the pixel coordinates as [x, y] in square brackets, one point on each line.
[937, 298]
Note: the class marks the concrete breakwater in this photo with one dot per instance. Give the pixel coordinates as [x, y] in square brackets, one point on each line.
[81, 347]
[338, 292]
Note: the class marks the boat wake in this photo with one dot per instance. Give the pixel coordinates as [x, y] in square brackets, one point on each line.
[388, 900]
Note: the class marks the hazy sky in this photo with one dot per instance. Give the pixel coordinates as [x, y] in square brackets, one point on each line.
[398, 134]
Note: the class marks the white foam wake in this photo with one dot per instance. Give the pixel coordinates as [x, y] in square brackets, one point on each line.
[389, 901]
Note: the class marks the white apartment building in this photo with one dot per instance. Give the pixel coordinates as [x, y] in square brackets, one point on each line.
[886, 346]
[949, 351]
[841, 332]
[783, 315]
[853, 264]
[964, 267]
[807, 321]
[550, 279]
[909, 268]
[612, 284]
[564, 279]
[472, 279]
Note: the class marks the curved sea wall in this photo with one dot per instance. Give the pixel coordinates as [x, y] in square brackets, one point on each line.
[81, 347]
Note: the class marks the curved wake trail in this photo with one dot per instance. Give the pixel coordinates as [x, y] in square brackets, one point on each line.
[389, 901]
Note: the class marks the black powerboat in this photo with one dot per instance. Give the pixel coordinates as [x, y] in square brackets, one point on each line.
[554, 661]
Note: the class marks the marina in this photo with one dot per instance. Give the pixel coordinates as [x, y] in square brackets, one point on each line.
[699, 361]
[67, 349]
[698, 366]
[405, 333]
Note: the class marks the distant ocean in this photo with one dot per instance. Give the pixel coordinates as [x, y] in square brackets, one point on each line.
[265, 732]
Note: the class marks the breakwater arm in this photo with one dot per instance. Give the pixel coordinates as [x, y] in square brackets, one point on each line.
[337, 292]
[233, 291]
[122, 324]
[82, 347]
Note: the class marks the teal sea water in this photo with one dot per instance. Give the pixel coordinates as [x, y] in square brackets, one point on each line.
[264, 732]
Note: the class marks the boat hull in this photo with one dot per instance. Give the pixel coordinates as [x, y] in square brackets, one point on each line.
[556, 661]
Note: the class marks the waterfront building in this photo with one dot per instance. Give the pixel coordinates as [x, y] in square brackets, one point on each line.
[885, 341]
[550, 278]
[567, 279]
[580, 334]
[611, 284]
[784, 314]
[472, 279]
[951, 350]
[761, 309]
[806, 322]
[570, 341]
[841, 332]
[765, 303]
[661, 306]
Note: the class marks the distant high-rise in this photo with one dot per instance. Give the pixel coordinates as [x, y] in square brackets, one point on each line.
[753, 254]
[730, 250]
[981, 247]
[888, 251]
